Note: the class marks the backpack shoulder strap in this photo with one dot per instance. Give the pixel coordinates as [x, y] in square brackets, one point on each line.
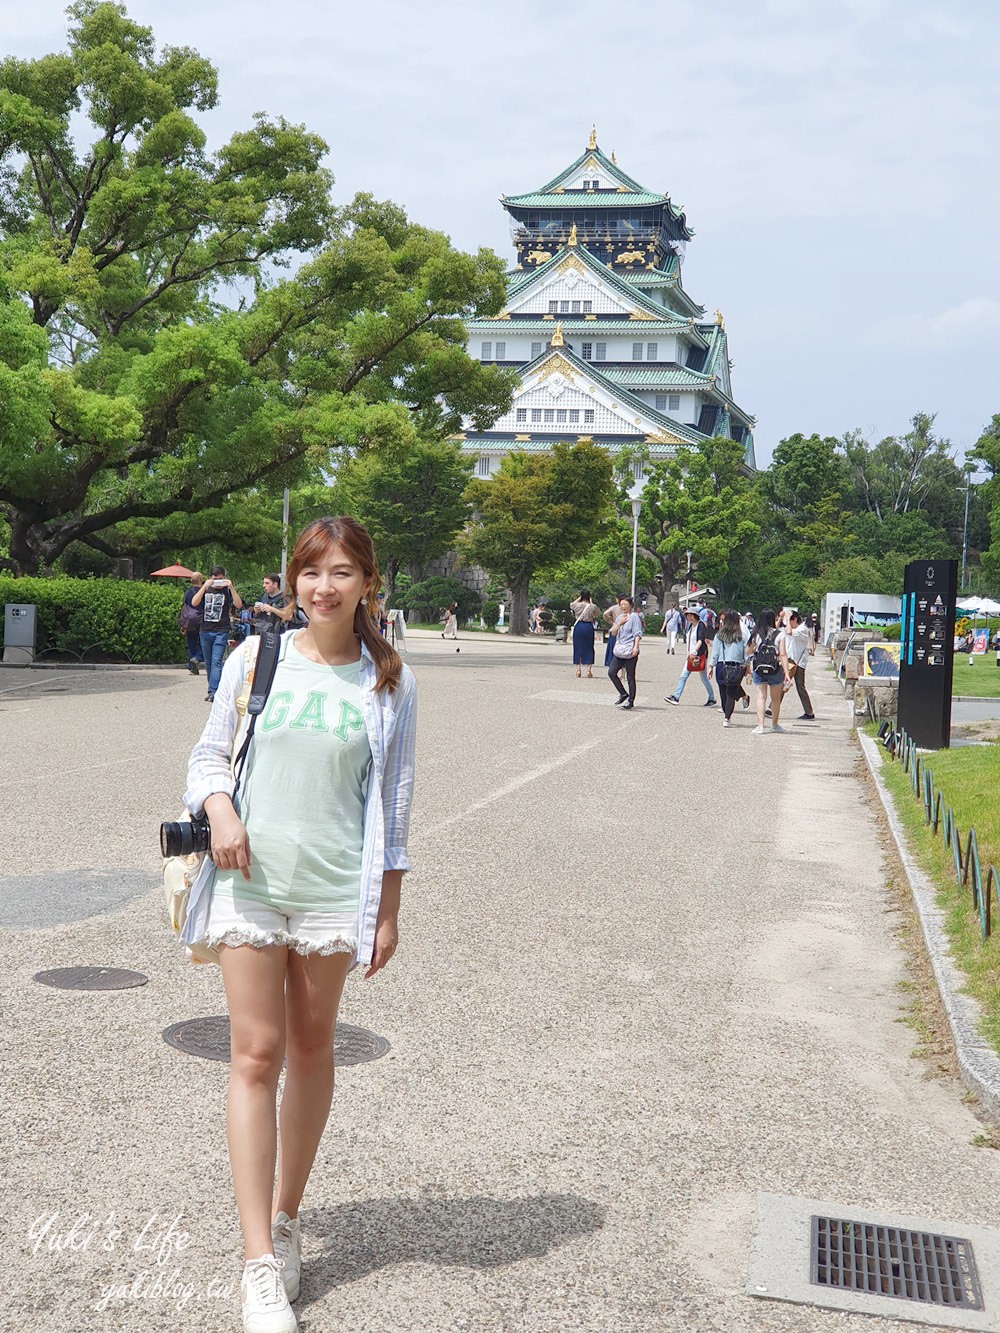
[263, 677]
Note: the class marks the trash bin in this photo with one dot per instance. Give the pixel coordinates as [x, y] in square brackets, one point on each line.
[19, 619]
[561, 632]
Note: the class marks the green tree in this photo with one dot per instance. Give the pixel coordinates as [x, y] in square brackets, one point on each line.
[903, 473]
[410, 499]
[131, 394]
[536, 511]
[987, 498]
[700, 502]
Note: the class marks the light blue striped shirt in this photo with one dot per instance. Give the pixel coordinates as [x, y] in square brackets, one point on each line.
[629, 630]
[390, 719]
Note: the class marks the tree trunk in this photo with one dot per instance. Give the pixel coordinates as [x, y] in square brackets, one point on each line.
[519, 606]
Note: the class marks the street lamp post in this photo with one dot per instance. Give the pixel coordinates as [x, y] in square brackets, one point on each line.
[969, 469]
[636, 500]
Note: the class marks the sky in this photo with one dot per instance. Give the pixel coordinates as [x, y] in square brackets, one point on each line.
[838, 162]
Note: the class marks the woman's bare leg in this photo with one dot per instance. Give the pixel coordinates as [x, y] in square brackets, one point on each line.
[312, 997]
[255, 991]
[777, 694]
[761, 704]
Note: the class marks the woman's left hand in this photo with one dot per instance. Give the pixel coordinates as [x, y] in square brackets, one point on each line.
[386, 940]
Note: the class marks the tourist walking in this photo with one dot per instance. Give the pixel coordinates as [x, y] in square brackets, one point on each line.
[770, 670]
[189, 623]
[586, 615]
[273, 610]
[216, 597]
[798, 645]
[450, 630]
[627, 631]
[728, 662]
[696, 647]
[306, 870]
[673, 623]
[609, 617]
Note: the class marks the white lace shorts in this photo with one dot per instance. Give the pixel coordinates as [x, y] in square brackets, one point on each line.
[236, 921]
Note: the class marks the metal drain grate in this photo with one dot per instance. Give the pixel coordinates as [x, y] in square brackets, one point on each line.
[209, 1038]
[891, 1261]
[91, 978]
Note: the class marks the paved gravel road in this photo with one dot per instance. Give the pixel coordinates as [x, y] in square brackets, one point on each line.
[647, 968]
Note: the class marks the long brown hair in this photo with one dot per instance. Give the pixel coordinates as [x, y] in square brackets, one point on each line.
[315, 541]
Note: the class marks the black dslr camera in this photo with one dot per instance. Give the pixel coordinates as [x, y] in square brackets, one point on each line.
[182, 837]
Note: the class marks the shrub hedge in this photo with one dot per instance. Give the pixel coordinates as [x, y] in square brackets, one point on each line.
[102, 620]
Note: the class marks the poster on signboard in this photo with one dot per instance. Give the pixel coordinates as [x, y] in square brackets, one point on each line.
[882, 659]
[980, 641]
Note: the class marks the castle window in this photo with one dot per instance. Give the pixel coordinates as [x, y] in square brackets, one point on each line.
[588, 415]
[661, 402]
[501, 351]
[486, 351]
[522, 414]
[553, 307]
[549, 414]
[587, 351]
[564, 307]
[484, 466]
[536, 350]
[588, 307]
[674, 405]
[574, 307]
[600, 351]
[574, 415]
[651, 350]
[637, 351]
[560, 414]
[536, 414]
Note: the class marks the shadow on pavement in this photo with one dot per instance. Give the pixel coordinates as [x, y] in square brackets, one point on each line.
[476, 1232]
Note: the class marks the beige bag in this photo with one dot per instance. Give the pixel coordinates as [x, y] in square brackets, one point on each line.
[179, 874]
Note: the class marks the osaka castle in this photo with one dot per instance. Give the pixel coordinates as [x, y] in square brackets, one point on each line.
[607, 343]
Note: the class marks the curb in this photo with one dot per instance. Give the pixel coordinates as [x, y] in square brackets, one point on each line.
[93, 666]
[978, 1062]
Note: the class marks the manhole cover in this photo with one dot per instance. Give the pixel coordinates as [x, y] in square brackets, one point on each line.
[209, 1038]
[893, 1261]
[91, 978]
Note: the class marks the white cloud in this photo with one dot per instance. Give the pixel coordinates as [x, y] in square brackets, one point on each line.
[955, 327]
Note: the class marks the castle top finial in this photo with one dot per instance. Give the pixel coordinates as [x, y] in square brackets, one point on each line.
[557, 337]
[719, 320]
[613, 158]
[592, 141]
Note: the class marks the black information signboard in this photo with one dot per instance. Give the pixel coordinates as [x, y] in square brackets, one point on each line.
[927, 651]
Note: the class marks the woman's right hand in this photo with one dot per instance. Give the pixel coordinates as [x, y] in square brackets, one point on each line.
[230, 845]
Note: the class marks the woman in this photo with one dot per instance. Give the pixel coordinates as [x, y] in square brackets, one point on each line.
[728, 662]
[696, 646]
[627, 632]
[586, 615]
[770, 670]
[308, 869]
[451, 622]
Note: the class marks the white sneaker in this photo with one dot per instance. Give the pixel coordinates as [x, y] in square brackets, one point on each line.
[286, 1235]
[725, 721]
[758, 731]
[265, 1305]
[775, 727]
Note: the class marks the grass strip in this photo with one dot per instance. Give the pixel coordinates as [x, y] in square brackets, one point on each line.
[967, 777]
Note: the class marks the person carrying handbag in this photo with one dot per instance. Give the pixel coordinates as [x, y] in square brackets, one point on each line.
[796, 640]
[728, 662]
[696, 645]
[627, 631]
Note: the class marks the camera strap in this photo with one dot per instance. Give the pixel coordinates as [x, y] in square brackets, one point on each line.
[263, 677]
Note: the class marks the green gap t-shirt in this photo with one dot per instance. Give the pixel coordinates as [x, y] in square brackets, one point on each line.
[303, 796]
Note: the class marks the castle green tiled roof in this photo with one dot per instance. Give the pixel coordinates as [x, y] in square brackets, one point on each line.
[593, 328]
[587, 199]
[628, 194]
[652, 378]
